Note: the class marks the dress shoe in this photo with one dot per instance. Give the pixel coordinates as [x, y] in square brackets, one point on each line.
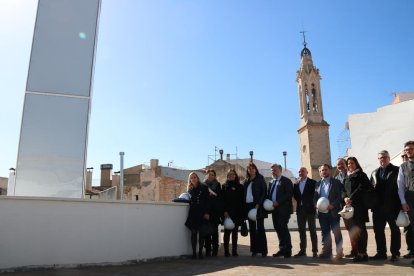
[324, 256]
[226, 254]
[360, 258]
[378, 256]
[264, 255]
[194, 256]
[287, 255]
[315, 255]
[394, 258]
[409, 255]
[234, 254]
[350, 255]
[300, 254]
[254, 254]
[278, 254]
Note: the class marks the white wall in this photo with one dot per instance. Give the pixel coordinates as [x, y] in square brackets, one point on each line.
[65, 232]
[387, 129]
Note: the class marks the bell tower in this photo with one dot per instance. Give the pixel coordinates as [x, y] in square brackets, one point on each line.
[314, 130]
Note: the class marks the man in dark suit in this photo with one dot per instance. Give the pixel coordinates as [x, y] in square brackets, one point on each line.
[331, 189]
[384, 180]
[303, 192]
[280, 191]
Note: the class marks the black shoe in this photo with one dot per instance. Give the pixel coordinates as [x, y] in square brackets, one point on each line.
[394, 258]
[378, 256]
[315, 255]
[227, 254]
[200, 255]
[287, 255]
[254, 254]
[194, 256]
[360, 259]
[300, 254]
[409, 255]
[350, 255]
[234, 254]
[324, 256]
[278, 254]
[264, 255]
[214, 254]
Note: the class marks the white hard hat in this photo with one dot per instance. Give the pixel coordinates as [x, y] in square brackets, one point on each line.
[228, 224]
[186, 196]
[252, 214]
[268, 205]
[322, 204]
[402, 219]
[347, 212]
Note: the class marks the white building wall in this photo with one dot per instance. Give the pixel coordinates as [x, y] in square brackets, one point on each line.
[386, 129]
[66, 232]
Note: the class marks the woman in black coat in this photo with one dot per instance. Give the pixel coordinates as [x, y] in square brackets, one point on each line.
[356, 184]
[254, 195]
[216, 212]
[198, 214]
[233, 196]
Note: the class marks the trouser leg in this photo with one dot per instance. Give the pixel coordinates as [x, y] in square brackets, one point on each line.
[301, 219]
[336, 229]
[326, 234]
[234, 238]
[379, 222]
[312, 231]
[194, 241]
[395, 237]
[226, 241]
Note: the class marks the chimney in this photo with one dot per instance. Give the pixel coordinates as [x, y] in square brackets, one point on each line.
[221, 154]
[106, 175]
[153, 164]
[228, 157]
[88, 185]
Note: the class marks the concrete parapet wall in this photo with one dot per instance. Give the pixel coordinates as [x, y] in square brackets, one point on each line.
[67, 232]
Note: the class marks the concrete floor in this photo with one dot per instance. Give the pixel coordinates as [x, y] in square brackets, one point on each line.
[247, 265]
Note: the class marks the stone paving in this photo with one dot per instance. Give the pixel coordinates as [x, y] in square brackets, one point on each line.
[247, 265]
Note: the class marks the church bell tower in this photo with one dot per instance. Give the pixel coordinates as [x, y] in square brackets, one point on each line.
[313, 130]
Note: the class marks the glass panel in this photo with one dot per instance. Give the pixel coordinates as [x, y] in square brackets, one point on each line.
[63, 47]
[52, 146]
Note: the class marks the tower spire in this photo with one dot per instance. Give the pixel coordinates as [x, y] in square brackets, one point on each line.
[304, 38]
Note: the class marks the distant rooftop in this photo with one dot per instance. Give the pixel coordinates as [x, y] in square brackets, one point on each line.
[402, 97]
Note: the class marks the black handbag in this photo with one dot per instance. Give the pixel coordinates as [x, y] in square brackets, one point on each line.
[244, 231]
[206, 229]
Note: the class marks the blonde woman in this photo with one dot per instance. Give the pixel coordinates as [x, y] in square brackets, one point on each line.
[198, 213]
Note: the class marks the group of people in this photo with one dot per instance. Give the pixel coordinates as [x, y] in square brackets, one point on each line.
[387, 192]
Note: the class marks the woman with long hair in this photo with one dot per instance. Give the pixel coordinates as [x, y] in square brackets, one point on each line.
[254, 195]
[233, 196]
[211, 242]
[198, 213]
[356, 184]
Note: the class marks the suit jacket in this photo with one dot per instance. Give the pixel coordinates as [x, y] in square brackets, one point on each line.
[305, 201]
[386, 191]
[334, 195]
[259, 194]
[284, 193]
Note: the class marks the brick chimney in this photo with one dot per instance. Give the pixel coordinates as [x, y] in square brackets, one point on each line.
[153, 164]
[106, 175]
[228, 157]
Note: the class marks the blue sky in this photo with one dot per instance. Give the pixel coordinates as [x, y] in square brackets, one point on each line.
[175, 79]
